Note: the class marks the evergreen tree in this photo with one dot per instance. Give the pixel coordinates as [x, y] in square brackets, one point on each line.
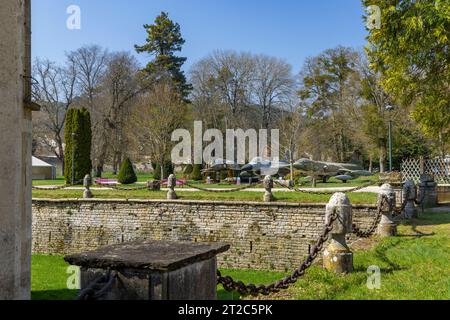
[163, 40]
[126, 173]
[78, 122]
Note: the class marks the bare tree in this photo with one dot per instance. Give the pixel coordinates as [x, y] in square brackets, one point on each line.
[372, 117]
[117, 90]
[155, 116]
[207, 104]
[290, 125]
[54, 89]
[233, 74]
[90, 63]
[273, 86]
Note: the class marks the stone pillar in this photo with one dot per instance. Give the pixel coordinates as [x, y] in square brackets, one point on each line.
[428, 191]
[87, 183]
[337, 257]
[171, 184]
[410, 194]
[387, 227]
[15, 149]
[268, 185]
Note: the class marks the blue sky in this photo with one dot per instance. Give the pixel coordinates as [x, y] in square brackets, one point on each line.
[288, 29]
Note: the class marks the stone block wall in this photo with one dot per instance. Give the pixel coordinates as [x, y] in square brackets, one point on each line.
[263, 236]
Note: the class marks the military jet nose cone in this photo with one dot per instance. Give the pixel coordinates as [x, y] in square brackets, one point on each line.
[298, 165]
[247, 167]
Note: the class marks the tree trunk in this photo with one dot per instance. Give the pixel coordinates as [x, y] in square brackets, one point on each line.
[99, 171]
[371, 163]
[383, 155]
[162, 168]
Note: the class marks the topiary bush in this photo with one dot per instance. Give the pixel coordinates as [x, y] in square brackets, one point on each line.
[126, 173]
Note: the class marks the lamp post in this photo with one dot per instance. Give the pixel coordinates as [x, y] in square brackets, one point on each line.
[73, 157]
[390, 108]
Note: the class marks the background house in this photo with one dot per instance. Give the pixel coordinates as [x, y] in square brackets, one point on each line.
[42, 170]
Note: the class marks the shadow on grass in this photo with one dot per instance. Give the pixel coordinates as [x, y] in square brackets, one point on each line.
[428, 219]
[380, 253]
[222, 294]
[62, 294]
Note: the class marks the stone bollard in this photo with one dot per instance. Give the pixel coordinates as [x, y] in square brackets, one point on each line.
[268, 185]
[171, 184]
[387, 227]
[87, 183]
[428, 191]
[410, 194]
[337, 257]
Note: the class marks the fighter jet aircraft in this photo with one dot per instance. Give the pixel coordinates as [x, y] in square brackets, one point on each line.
[325, 170]
[259, 166]
[219, 165]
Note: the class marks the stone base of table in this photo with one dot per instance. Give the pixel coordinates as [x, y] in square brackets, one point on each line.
[154, 270]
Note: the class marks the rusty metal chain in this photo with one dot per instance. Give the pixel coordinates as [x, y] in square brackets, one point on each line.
[51, 188]
[399, 211]
[373, 227]
[229, 284]
[327, 192]
[124, 188]
[224, 190]
[98, 287]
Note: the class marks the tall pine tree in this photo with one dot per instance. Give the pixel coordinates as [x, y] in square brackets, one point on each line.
[163, 41]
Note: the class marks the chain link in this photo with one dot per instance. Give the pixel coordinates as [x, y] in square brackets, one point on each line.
[124, 188]
[327, 192]
[224, 190]
[51, 188]
[373, 227]
[229, 284]
[98, 287]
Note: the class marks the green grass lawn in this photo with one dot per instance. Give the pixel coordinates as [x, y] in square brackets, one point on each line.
[414, 265]
[143, 177]
[355, 198]
[49, 278]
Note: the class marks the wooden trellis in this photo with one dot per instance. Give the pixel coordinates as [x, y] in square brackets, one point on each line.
[438, 168]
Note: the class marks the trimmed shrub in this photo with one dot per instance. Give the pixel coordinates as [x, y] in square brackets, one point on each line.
[78, 121]
[126, 173]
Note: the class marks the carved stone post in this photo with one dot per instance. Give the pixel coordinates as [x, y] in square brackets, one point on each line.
[87, 183]
[337, 257]
[387, 227]
[268, 185]
[410, 194]
[171, 184]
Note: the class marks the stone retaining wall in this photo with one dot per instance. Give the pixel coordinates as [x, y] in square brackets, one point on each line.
[263, 236]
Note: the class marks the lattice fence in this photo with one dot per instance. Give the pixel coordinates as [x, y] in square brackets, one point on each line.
[439, 169]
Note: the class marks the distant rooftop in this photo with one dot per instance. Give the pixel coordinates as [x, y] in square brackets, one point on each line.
[39, 163]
